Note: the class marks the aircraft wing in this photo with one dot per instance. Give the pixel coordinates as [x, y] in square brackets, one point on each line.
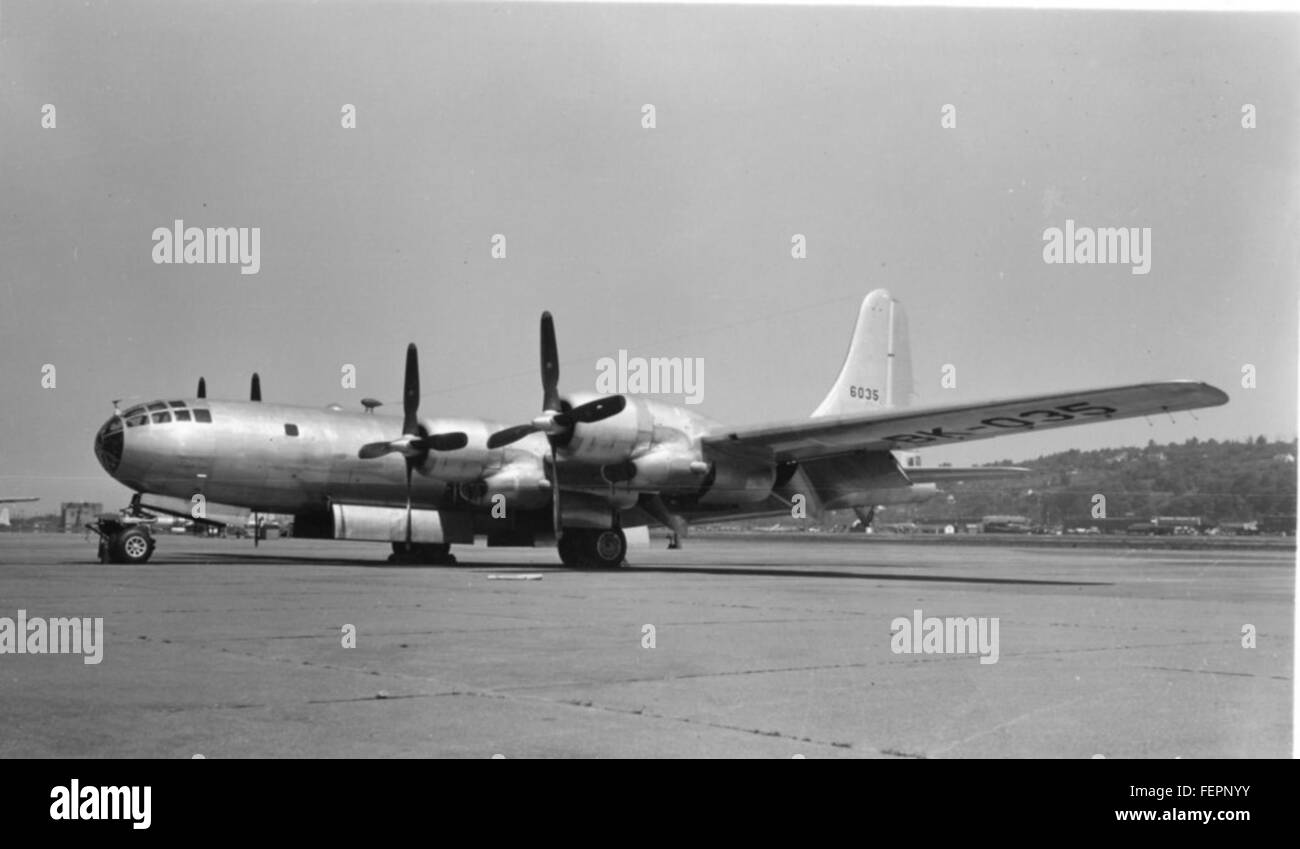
[921, 427]
[14, 500]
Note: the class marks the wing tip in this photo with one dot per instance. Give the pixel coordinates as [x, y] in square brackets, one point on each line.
[1207, 393]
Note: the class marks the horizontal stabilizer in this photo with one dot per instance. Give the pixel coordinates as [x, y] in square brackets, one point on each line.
[947, 474]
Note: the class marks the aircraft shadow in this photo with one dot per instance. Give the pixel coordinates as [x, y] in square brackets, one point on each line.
[236, 558]
[759, 571]
[743, 570]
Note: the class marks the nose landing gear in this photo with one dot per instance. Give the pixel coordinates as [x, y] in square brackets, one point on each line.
[120, 542]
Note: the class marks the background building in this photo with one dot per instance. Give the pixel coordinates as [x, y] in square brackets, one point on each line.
[75, 514]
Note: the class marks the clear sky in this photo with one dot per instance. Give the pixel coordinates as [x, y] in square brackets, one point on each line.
[673, 241]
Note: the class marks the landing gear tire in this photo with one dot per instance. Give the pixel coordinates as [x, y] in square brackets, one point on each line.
[609, 548]
[423, 553]
[582, 548]
[130, 546]
[570, 550]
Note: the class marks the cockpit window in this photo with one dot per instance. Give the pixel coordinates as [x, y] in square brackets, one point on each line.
[161, 418]
[157, 405]
[136, 421]
[176, 403]
[202, 416]
[182, 415]
[113, 426]
[134, 411]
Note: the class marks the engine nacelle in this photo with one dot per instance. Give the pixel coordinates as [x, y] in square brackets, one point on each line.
[735, 480]
[471, 463]
[672, 467]
[523, 482]
[611, 440]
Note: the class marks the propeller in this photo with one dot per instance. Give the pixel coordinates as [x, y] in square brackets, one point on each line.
[203, 388]
[559, 418]
[416, 442]
[255, 388]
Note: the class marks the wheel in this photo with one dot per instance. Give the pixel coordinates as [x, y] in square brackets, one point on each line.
[581, 548]
[131, 546]
[609, 548]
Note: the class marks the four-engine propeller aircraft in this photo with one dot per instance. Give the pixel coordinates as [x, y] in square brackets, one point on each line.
[586, 470]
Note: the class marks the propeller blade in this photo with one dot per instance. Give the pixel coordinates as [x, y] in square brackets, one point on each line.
[411, 392]
[409, 464]
[550, 365]
[441, 442]
[203, 388]
[509, 435]
[371, 450]
[255, 389]
[555, 495]
[595, 411]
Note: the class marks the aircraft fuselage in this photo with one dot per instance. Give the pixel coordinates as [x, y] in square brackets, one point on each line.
[280, 458]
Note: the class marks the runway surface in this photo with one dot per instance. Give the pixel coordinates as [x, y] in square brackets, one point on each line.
[762, 648]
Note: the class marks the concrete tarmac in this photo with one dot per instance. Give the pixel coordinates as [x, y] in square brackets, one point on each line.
[761, 648]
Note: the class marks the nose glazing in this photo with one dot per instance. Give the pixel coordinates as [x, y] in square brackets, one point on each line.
[108, 445]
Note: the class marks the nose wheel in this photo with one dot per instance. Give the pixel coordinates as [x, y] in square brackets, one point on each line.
[120, 543]
[583, 548]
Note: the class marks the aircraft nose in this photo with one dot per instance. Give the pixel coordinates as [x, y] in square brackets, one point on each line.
[108, 445]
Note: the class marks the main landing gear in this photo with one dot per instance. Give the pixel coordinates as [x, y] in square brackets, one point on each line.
[422, 554]
[583, 548]
[120, 542]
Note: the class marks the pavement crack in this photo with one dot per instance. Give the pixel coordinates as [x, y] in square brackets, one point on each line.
[1217, 672]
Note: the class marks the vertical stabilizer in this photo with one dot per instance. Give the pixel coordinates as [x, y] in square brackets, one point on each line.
[877, 372]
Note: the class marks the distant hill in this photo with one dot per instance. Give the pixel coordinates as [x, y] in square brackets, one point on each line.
[1218, 481]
